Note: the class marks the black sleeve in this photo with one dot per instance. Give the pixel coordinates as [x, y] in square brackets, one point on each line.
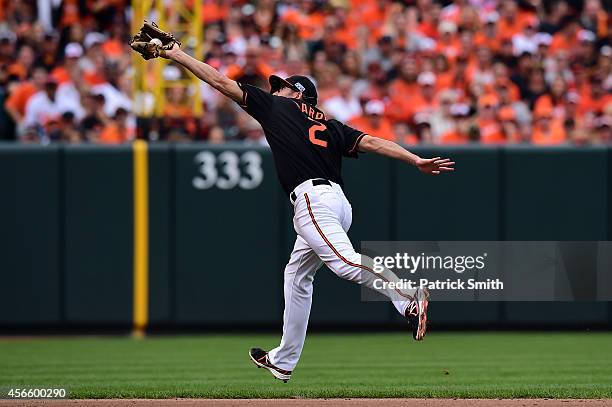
[256, 102]
[350, 139]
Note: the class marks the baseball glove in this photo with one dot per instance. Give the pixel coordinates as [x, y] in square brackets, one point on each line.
[151, 40]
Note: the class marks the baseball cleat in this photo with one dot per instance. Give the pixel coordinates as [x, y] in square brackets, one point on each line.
[260, 358]
[416, 313]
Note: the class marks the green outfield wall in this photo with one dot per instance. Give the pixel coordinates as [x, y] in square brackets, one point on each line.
[220, 231]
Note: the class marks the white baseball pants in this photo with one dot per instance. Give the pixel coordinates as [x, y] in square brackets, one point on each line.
[322, 216]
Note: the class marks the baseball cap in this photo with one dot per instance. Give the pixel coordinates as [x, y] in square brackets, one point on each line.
[375, 107]
[422, 118]
[171, 73]
[572, 97]
[586, 36]
[7, 36]
[447, 27]
[93, 38]
[487, 100]
[73, 50]
[492, 17]
[298, 83]
[426, 78]
[543, 38]
[460, 110]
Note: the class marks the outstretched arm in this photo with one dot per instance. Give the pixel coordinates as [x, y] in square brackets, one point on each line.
[390, 149]
[205, 72]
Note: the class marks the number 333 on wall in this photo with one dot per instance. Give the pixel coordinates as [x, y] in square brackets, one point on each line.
[228, 170]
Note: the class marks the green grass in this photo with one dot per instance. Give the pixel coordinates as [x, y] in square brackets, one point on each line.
[509, 365]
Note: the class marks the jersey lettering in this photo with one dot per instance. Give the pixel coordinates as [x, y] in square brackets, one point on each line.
[312, 133]
[310, 112]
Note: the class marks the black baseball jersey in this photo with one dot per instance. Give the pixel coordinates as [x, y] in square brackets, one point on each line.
[304, 143]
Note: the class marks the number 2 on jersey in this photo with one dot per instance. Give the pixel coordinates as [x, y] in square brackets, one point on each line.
[313, 137]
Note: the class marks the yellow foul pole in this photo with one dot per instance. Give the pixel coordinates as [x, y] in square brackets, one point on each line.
[141, 238]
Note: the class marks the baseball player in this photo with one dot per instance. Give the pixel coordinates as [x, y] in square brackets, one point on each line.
[308, 149]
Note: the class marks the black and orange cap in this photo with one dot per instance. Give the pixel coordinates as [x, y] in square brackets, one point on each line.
[298, 83]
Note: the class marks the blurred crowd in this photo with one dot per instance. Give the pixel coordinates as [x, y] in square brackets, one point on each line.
[412, 71]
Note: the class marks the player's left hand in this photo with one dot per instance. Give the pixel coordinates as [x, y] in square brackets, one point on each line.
[435, 166]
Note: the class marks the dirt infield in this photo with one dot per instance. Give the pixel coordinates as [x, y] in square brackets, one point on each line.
[312, 402]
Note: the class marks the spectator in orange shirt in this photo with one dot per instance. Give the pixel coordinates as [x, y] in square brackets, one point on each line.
[95, 61]
[467, 44]
[509, 23]
[72, 53]
[469, 18]
[457, 80]
[501, 78]
[452, 12]
[426, 100]
[442, 69]
[401, 90]
[490, 130]
[430, 18]
[595, 100]
[375, 14]
[178, 112]
[253, 71]
[115, 45]
[489, 36]
[16, 103]
[307, 18]
[22, 66]
[116, 130]
[546, 129]
[594, 18]
[448, 44]
[556, 98]
[567, 38]
[214, 11]
[373, 122]
[509, 125]
[404, 134]
[462, 129]
[70, 13]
